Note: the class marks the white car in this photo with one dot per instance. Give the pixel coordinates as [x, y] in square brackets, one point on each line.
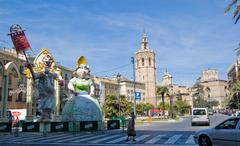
[200, 116]
[226, 133]
[237, 114]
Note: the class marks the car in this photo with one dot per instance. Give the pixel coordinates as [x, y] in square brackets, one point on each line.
[210, 112]
[237, 114]
[226, 133]
[200, 116]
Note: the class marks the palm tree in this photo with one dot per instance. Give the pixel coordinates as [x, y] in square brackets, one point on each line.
[162, 90]
[234, 93]
[236, 13]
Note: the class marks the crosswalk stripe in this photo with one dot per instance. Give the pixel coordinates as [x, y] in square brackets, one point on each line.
[23, 138]
[118, 140]
[73, 138]
[154, 139]
[173, 139]
[89, 138]
[103, 139]
[140, 138]
[54, 139]
[43, 137]
[190, 140]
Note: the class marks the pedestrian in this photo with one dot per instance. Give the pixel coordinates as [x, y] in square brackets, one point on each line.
[131, 128]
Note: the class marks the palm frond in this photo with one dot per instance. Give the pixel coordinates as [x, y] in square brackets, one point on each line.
[227, 9]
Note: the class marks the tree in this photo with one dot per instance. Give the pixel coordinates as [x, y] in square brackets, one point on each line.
[236, 14]
[181, 107]
[234, 95]
[198, 96]
[162, 90]
[110, 106]
[143, 108]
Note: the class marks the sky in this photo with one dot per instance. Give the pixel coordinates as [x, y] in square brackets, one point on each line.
[188, 36]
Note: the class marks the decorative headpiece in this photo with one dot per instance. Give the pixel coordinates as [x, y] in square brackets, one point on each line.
[81, 60]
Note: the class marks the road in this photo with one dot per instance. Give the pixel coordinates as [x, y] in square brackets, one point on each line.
[149, 134]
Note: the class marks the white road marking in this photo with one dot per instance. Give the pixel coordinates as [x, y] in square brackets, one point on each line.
[54, 139]
[89, 138]
[173, 139]
[103, 139]
[190, 140]
[118, 140]
[154, 139]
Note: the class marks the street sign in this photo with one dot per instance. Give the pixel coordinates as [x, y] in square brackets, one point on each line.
[138, 95]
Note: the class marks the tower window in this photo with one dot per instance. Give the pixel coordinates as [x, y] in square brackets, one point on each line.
[143, 78]
[149, 59]
[142, 61]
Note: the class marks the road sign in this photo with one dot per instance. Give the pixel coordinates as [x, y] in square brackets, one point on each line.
[138, 95]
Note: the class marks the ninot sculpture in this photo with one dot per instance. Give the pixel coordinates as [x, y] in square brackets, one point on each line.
[81, 105]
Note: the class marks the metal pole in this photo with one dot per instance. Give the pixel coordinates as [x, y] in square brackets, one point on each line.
[118, 79]
[134, 86]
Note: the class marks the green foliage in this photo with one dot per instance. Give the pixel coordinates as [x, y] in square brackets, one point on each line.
[200, 102]
[181, 107]
[111, 106]
[143, 108]
[162, 90]
[167, 106]
[233, 102]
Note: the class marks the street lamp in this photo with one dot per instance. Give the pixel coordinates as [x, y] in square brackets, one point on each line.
[134, 86]
[118, 80]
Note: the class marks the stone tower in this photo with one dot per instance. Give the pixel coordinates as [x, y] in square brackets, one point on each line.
[146, 70]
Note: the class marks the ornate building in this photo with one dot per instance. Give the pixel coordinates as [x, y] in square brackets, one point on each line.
[146, 69]
[213, 87]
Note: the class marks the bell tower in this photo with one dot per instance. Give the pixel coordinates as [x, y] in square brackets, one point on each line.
[146, 70]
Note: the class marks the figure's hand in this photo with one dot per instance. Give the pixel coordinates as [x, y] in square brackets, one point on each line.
[61, 82]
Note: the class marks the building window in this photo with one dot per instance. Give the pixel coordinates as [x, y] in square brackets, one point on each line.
[20, 97]
[9, 96]
[143, 78]
[150, 63]
[142, 61]
[10, 81]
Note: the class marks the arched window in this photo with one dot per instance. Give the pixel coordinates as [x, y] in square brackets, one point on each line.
[20, 97]
[149, 60]
[142, 61]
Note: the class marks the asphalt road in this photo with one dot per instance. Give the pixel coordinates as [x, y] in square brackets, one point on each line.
[182, 125]
[150, 134]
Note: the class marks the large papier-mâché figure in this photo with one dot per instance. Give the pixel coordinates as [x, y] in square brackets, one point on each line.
[47, 75]
[81, 106]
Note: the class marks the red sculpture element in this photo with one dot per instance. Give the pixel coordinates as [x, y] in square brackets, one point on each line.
[19, 39]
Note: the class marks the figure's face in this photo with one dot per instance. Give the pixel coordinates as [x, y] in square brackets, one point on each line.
[47, 60]
[83, 71]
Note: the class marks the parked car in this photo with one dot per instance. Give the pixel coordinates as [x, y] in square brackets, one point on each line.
[237, 114]
[226, 133]
[200, 116]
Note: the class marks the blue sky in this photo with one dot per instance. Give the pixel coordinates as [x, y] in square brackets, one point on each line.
[188, 36]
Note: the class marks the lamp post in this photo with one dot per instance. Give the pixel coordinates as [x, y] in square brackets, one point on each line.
[134, 86]
[119, 107]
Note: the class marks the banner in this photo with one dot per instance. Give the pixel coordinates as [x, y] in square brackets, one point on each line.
[30, 127]
[5, 127]
[59, 126]
[20, 41]
[88, 125]
[113, 124]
